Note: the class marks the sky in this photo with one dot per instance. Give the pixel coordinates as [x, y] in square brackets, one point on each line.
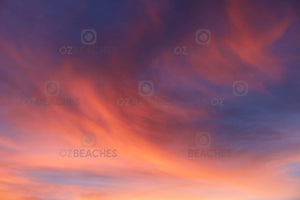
[150, 100]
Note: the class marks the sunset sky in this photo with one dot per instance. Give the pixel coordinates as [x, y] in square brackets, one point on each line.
[150, 100]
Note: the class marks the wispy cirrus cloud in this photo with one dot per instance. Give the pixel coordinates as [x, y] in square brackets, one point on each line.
[259, 128]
